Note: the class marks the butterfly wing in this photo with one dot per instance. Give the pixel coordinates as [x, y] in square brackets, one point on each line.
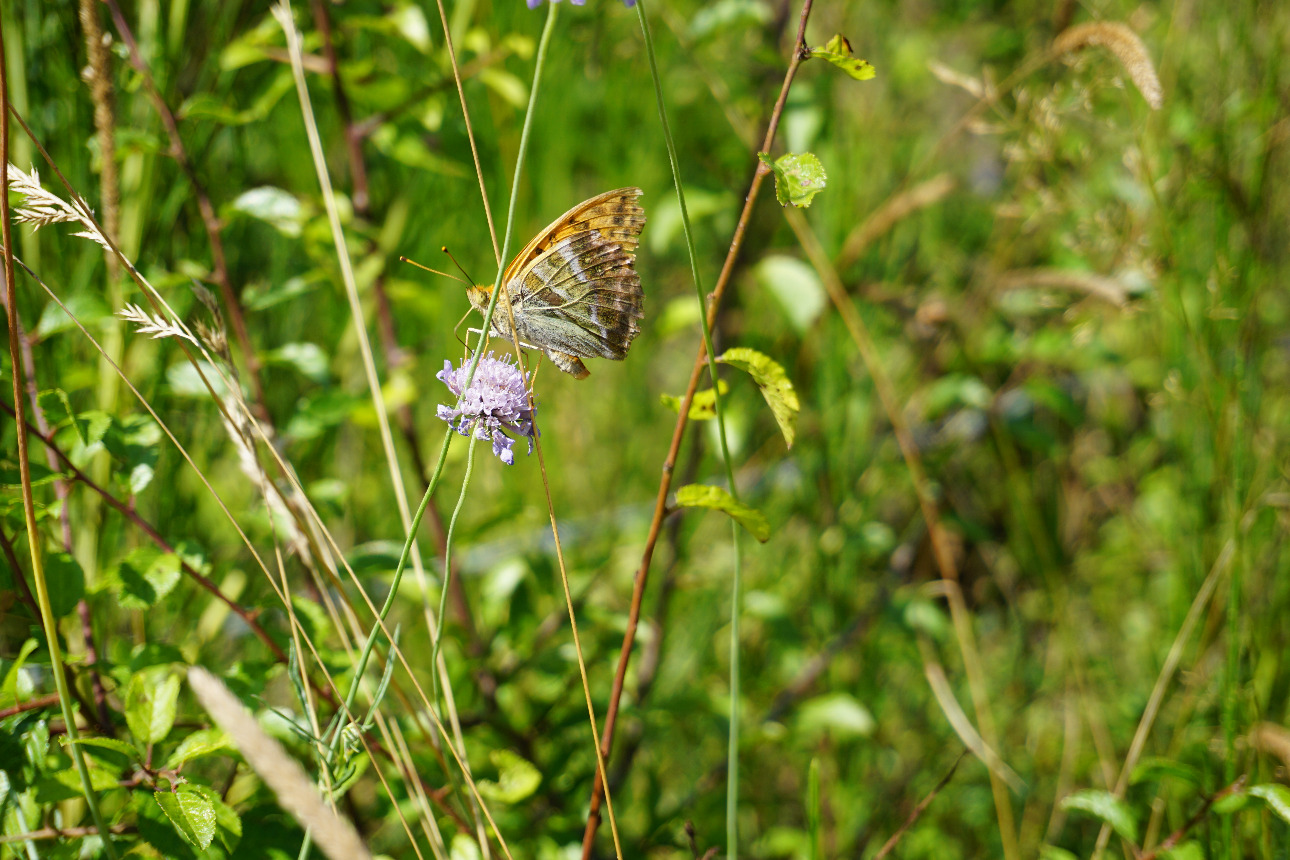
[576, 293]
[615, 212]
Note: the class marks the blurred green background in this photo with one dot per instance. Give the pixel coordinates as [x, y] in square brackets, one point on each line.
[1079, 303]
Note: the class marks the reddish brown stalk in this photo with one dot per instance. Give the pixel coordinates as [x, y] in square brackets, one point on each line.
[63, 833]
[143, 525]
[209, 218]
[1177, 835]
[36, 704]
[918, 810]
[669, 463]
[353, 140]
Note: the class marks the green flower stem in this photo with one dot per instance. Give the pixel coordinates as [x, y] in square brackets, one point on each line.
[47, 619]
[732, 777]
[447, 559]
[498, 286]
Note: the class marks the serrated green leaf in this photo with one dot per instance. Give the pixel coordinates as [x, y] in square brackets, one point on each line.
[517, 778]
[798, 177]
[150, 701]
[10, 479]
[774, 383]
[192, 814]
[1277, 797]
[66, 582]
[1105, 807]
[229, 822]
[704, 405]
[838, 52]
[200, 743]
[716, 498]
[108, 744]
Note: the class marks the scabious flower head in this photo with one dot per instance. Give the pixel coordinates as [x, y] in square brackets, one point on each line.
[533, 4]
[496, 401]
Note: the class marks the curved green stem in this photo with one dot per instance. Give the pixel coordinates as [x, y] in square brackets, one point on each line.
[732, 776]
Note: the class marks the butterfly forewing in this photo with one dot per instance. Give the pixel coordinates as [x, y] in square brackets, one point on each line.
[574, 290]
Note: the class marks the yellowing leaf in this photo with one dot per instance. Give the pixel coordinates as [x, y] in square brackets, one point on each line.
[838, 52]
[703, 496]
[798, 177]
[517, 778]
[774, 383]
[704, 405]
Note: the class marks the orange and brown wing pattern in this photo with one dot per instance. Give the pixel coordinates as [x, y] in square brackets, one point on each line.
[615, 214]
[574, 290]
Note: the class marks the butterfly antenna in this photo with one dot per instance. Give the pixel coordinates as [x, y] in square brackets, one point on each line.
[403, 259]
[458, 265]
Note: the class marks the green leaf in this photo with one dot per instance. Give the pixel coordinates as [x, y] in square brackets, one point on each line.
[150, 701]
[66, 582]
[276, 207]
[798, 177]
[837, 713]
[774, 384]
[230, 824]
[66, 784]
[11, 479]
[796, 287]
[838, 52]
[202, 742]
[308, 359]
[703, 496]
[192, 814]
[1155, 768]
[1106, 807]
[1189, 850]
[1052, 852]
[144, 577]
[113, 744]
[14, 676]
[516, 780]
[704, 405]
[1277, 797]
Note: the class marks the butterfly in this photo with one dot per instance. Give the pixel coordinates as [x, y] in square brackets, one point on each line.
[573, 290]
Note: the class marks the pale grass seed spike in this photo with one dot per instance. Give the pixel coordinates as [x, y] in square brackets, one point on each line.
[573, 290]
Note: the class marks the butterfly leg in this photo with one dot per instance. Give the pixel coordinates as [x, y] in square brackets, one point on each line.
[523, 345]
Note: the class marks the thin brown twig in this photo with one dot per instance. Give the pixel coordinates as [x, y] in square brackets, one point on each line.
[62, 833]
[147, 528]
[1177, 836]
[669, 463]
[210, 220]
[918, 810]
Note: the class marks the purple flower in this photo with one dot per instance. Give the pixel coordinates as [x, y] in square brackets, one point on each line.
[533, 4]
[496, 401]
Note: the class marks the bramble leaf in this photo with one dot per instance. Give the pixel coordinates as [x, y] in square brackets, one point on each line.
[798, 177]
[192, 814]
[150, 700]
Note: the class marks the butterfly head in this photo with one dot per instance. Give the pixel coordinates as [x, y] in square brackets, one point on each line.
[480, 297]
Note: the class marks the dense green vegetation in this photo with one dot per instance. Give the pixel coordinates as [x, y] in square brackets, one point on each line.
[1025, 583]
